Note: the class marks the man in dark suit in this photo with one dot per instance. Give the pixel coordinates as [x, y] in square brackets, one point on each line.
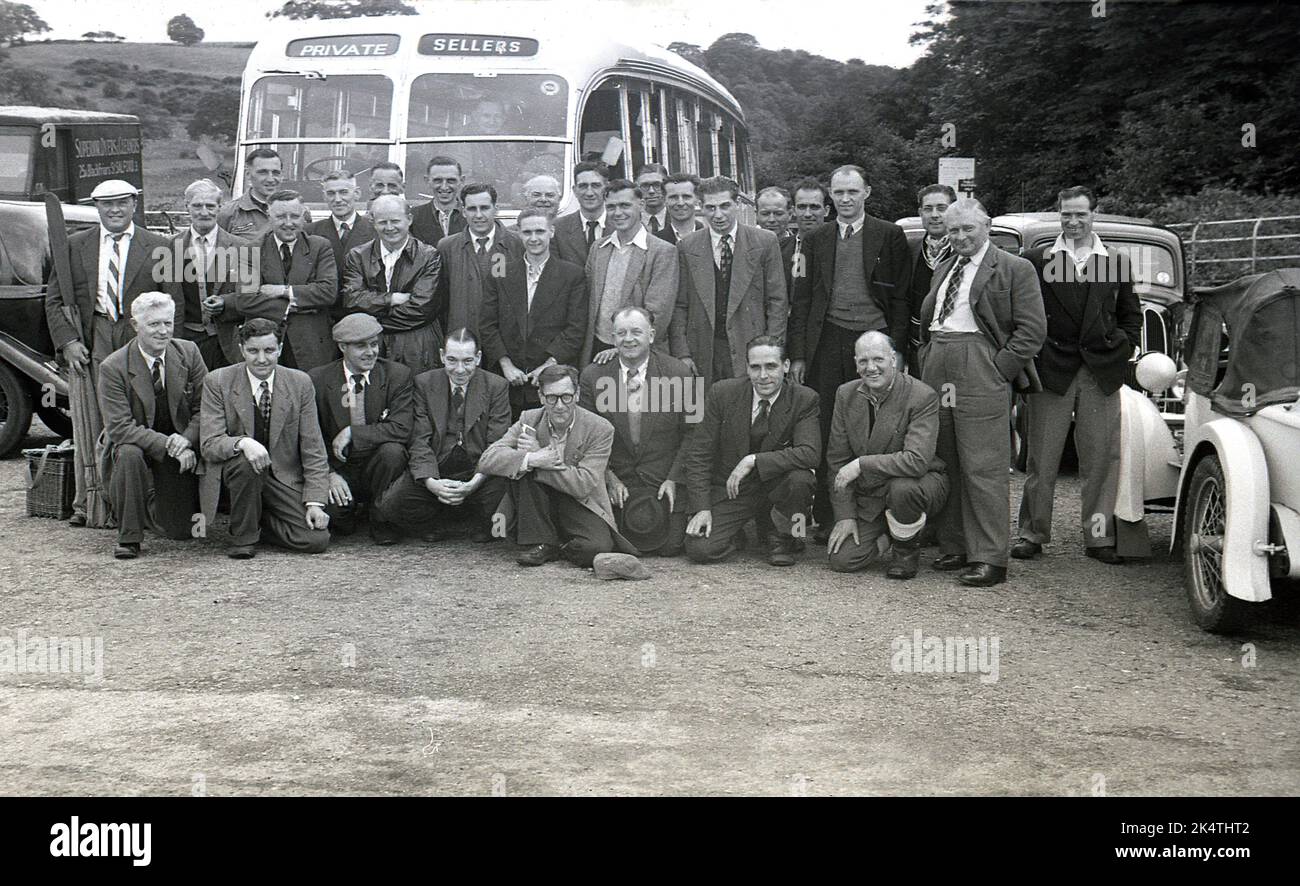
[460, 411]
[261, 437]
[533, 316]
[928, 252]
[1094, 324]
[645, 395]
[577, 232]
[365, 411]
[344, 227]
[149, 393]
[651, 179]
[296, 285]
[473, 258]
[887, 479]
[856, 281]
[110, 264]
[811, 204]
[554, 460]
[981, 325]
[394, 278]
[682, 198]
[441, 217]
[214, 265]
[732, 288]
[752, 456]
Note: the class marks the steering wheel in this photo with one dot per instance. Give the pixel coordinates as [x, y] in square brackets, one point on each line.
[309, 171]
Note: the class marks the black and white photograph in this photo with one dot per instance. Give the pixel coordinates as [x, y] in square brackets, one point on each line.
[650, 398]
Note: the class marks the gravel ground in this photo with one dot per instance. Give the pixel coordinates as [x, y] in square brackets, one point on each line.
[446, 669]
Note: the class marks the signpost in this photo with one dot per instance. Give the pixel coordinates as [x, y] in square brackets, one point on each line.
[958, 173]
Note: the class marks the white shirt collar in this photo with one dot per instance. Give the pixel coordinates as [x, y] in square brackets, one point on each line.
[209, 239]
[771, 401]
[350, 221]
[279, 243]
[491, 237]
[978, 258]
[1096, 247]
[386, 252]
[856, 226]
[638, 371]
[451, 385]
[349, 375]
[715, 237]
[256, 383]
[104, 233]
[641, 239]
[599, 220]
[661, 216]
[149, 360]
[535, 271]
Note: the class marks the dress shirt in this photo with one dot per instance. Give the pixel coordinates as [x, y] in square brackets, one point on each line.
[106, 305]
[962, 318]
[661, 216]
[856, 226]
[1081, 253]
[389, 258]
[350, 221]
[753, 409]
[149, 361]
[635, 401]
[600, 225]
[534, 273]
[474, 238]
[716, 238]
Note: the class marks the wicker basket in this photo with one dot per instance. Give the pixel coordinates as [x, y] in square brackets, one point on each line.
[51, 482]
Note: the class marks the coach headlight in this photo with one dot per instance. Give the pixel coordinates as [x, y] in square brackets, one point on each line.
[1156, 372]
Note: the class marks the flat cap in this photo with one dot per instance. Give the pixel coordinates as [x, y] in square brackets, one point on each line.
[614, 566]
[114, 188]
[356, 327]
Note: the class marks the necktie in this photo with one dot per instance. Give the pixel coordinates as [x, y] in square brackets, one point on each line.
[758, 430]
[286, 259]
[634, 406]
[846, 232]
[724, 263]
[114, 285]
[201, 266]
[482, 245]
[458, 411]
[159, 392]
[654, 224]
[591, 232]
[357, 402]
[950, 292]
[344, 230]
[264, 406]
[444, 222]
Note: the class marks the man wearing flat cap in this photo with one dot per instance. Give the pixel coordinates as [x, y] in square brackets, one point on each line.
[644, 394]
[460, 410]
[365, 410]
[111, 264]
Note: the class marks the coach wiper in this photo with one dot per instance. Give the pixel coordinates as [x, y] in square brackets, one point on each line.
[310, 75]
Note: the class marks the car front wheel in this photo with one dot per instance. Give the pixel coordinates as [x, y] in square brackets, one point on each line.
[15, 412]
[1204, 523]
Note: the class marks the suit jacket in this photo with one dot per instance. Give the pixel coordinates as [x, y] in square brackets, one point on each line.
[128, 404]
[586, 457]
[552, 327]
[756, 305]
[669, 234]
[487, 417]
[793, 441]
[461, 286]
[315, 287]
[148, 251]
[365, 285]
[885, 266]
[918, 286]
[226, 276]
[1101, 332]
[569, 241]
[651, 282]
[787, 261]
[388, 402]
[900, 444]
[296, 445]
[1008, 309]
[362, 232]
[665, 423]
[426, 227]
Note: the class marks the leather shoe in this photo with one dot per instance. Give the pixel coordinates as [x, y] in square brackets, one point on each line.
[78, 520]
[382, 534]
[241, 552]
[822, 534]
[782, 552]
[1105, 555]
[480, 534]
[903, 559]
[1024, 549]
[983, 575]
[127, 550]
[949, 562]
[538, 555]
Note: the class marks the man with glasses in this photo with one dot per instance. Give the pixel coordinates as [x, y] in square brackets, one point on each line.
[543, 192]
[652, 178]
[555, 460]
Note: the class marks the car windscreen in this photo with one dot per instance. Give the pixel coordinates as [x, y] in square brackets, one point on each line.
[16, 146]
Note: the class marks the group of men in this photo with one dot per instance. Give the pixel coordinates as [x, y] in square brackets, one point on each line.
[644, 375]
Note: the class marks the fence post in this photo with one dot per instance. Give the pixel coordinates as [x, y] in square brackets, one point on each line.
[1254, 243]
[1192, 275]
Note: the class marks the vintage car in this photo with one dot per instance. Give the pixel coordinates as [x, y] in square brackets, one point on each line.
[1238, 509]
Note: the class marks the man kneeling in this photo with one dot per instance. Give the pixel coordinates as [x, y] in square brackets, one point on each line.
[555, 459]
[881, 455]
[260, 430]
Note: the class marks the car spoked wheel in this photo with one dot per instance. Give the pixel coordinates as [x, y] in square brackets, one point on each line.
[15, 412]
[1205, 521]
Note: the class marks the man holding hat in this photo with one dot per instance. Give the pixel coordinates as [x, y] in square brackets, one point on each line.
[459, 412]
[644, 395]
[394, 278]
[111, 264]
[365, 410]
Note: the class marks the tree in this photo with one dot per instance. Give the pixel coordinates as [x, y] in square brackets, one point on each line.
[181, 29]
[219, 118]
[300, 9]
[17, 20]
[103, 35]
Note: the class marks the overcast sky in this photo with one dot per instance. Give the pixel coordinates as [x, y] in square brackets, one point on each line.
[875, 32]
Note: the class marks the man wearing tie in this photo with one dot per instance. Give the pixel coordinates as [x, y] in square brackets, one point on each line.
[642, 395]
[441, 217]
[365, 411]
[261, 437]
[652, 179]
[111, 264]
[752, 456]
[297, 284]
[682, 198]
[214, 264]
[578, 232]
[460, 411]
[732, 288]
[344, 228]
[534, 315]
[981, 325]
[394, 278]
[149, 394]
[472, 259]
[932, 250]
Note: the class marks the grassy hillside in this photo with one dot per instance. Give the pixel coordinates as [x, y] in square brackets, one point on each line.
[164, 84]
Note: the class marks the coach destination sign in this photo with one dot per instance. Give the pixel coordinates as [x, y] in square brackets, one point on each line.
[349, 46]
[476, 44]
